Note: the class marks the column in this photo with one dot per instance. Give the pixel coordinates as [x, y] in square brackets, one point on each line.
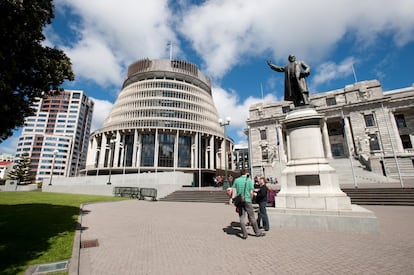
[348, 137]
[177, 136]
[156, 149]
[103, 151]
[135, 148]
[281, 146]
[325, 139]
[211, 164]
[395, 133]
[116, 151]
[91, 155]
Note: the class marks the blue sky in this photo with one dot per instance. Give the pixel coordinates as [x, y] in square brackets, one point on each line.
[230, 41]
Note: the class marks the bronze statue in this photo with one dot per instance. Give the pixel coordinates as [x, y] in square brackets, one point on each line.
[296, 89]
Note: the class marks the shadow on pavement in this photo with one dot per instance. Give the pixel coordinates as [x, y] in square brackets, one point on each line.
[233, 229]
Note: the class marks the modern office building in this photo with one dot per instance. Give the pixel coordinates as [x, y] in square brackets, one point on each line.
[164, 119]
[56, 136]
[361, 120]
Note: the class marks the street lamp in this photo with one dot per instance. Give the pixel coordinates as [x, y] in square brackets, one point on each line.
[111, 161]
[224, 124]
[55, 152]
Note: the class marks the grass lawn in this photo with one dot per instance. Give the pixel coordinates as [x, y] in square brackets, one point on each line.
[38, 227]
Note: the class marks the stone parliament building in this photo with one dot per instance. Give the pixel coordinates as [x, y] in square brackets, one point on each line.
[362, 121]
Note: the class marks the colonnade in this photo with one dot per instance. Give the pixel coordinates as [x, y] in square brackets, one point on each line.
[156, 150]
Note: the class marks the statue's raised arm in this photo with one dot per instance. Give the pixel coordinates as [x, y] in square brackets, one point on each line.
[296, 89]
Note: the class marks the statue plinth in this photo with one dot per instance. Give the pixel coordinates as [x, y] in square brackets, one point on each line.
[310, 194]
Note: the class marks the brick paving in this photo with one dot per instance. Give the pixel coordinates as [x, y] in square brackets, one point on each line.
[143, 237]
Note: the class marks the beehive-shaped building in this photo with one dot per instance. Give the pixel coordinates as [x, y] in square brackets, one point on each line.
[164, 119]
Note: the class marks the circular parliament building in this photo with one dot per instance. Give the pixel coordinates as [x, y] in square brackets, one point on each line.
[164, 119]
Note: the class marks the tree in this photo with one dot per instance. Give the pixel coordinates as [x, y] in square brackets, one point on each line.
[21, 171]
[28, 69]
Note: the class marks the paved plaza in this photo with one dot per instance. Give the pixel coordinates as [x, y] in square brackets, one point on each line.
[144, 237]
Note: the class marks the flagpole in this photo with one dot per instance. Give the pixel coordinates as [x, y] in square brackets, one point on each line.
[353, 71]
[349, 151]
[171, 50]
[261, 89]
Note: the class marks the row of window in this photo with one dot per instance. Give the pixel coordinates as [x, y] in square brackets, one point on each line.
[166, 124]
[145, 85]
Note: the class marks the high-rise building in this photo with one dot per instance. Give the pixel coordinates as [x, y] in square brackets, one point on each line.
[164, 119]
[56, 136]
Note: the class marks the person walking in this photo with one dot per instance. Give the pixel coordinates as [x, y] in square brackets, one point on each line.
[245, 184]
[261, 199]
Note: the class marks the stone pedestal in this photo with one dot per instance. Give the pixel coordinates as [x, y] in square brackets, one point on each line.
[310, 195]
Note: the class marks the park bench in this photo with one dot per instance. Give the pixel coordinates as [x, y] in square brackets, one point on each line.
[123, 191]
[148, 192]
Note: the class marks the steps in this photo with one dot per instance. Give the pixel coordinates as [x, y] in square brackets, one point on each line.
[362, 177]
[362, 196]
[381, 196]
[208, 196]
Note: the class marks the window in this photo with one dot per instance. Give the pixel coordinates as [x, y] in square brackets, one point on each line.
[373, 142]
[369, 120]
[265, 154]
[400, 120]
[330, 101]
[166, 150]
[147, 154]
[263, 135]
[286, 109]
[406, 141]
[184, 151]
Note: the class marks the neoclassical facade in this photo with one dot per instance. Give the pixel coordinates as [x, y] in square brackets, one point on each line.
[164, 119]
[361, 120]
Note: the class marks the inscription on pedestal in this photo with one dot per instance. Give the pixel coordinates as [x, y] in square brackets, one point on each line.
[306, 180]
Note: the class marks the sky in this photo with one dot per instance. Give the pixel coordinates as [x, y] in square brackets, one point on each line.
[231, 41]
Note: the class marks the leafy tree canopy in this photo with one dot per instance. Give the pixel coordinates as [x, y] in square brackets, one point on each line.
[21, 171]
[28, 69]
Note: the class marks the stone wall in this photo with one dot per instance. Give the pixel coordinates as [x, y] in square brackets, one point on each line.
[165, 183]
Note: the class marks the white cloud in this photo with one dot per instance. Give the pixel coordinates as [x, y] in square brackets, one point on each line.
[329, 71]
[224, 33]
[228, 104]
[100, 112]
[111, 35]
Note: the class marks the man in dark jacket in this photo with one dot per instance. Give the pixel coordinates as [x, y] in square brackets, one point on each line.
[261, 199]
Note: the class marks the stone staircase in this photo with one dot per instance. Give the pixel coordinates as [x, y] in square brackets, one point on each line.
[363, 178]
[208, 195]
[372, 188]
[362, 196]
[381, 196]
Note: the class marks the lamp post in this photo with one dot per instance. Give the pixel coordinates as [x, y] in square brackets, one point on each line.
[111, 161]
[224, 124]
[55, 152]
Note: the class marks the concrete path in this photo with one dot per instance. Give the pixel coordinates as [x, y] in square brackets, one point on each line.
[143, 237]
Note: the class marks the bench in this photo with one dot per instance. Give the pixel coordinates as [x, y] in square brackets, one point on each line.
[123, 191]
[148, 192]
